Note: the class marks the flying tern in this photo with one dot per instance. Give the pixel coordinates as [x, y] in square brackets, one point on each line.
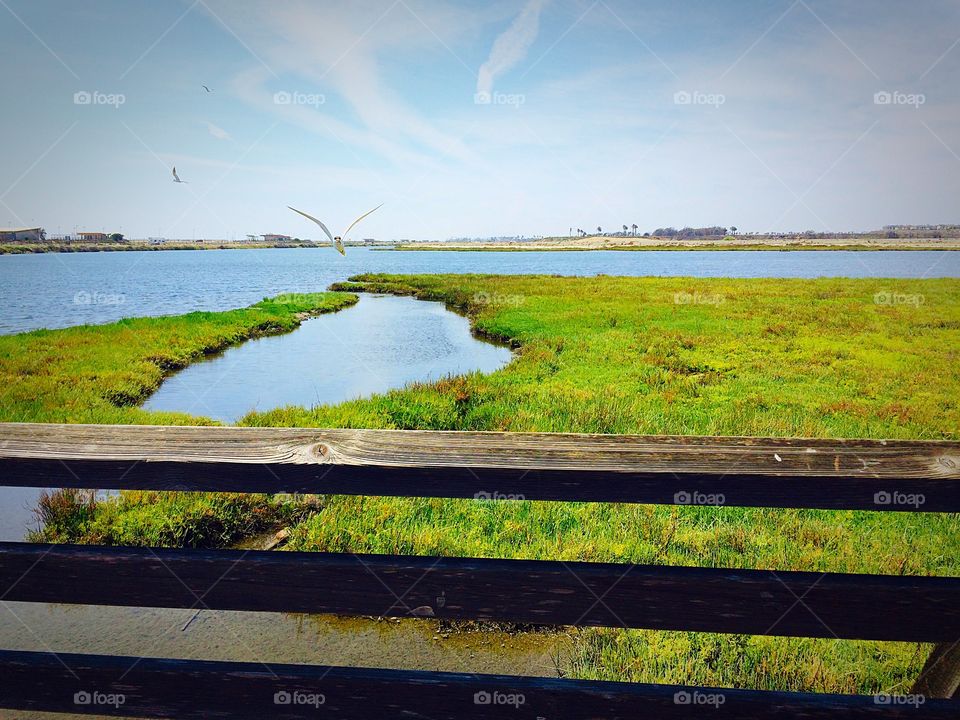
[176, 178]
[337, 241]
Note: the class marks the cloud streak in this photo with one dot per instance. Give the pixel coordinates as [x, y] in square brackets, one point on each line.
[346, 60]
[511, 45]
[218, 132]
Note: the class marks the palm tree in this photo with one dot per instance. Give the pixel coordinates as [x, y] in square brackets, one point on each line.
[599, 230]
[634, 228]
[624, 229]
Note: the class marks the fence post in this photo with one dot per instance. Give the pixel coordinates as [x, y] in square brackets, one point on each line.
[940, 677]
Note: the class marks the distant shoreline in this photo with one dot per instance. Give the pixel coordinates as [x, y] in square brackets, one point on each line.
[666, 244]
[544, 245]
[55, 247]
[674, 248]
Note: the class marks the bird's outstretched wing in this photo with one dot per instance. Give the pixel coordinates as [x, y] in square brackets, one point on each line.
[311, 217]
[360, 218]
[176, 178]
[206, 88]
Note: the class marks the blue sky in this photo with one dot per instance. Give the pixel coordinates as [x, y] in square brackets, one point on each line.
[764, 115]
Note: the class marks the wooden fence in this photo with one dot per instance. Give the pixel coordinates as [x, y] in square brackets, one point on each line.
[890, 476]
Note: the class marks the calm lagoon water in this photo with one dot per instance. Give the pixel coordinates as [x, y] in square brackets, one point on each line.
[378, 344]
[59, 290]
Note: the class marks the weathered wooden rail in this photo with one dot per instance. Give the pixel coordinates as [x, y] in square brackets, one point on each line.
[833, 474]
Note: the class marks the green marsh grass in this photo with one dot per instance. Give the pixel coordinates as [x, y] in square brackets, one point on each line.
[815, 358]
[101, 373]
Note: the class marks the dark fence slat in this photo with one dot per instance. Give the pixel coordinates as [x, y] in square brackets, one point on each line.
[194, 689]
[766, 472]
[760, 602]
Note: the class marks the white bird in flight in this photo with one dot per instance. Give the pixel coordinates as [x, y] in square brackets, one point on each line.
[337, 241]
[176, 178]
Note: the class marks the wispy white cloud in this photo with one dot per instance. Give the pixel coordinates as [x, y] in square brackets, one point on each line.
[511, 45]
[342, 54]
[218, 132]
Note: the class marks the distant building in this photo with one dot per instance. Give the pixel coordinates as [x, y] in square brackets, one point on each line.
[93, 236]
[35, 234]
[276, 238]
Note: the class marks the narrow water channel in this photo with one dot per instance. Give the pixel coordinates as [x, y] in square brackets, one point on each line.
[381, 343]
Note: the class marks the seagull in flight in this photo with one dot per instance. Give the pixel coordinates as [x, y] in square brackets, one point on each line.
[337, 241]
[206, 88]
[176, 178]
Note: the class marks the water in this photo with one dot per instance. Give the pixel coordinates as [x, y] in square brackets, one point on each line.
[378, 344]
[412, 643]
[16, 512]
[59, 290]
[405, 644]
[381, 343]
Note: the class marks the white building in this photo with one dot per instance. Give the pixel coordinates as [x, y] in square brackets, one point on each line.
[35, 234]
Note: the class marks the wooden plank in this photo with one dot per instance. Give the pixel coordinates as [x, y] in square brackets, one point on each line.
[197, 689]
[767, 472]
[878, 607]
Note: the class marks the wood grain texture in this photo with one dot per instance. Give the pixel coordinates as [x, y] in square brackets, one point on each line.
[757, 602]
[766, 472]
[196, 689]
